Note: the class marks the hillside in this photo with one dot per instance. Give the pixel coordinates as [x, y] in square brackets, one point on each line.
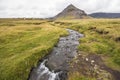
[105, 15]
[71, 12]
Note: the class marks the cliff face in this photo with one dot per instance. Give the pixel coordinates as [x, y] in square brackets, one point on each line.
[72, 12]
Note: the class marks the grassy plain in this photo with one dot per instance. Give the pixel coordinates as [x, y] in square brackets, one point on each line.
[22, 44]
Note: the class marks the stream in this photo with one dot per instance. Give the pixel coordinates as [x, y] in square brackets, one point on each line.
[56, 65]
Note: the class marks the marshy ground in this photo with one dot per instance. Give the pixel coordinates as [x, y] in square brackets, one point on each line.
[24, 42]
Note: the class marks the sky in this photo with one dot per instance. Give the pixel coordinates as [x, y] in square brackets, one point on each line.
[50, 8]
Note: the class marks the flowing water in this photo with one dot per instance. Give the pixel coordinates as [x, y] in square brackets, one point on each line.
[56, 65]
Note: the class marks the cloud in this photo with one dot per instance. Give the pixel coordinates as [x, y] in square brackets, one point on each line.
[49, 8]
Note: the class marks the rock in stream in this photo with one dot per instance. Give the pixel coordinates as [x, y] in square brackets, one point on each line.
[56, 65]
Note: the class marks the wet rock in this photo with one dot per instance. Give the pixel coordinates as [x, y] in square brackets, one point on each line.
[92, 62]
[63, 75]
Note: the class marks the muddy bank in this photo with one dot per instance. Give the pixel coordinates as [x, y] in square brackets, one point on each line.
[56, 65]
[92, 66]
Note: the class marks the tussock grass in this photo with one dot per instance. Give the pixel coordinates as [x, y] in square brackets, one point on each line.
[23, 45]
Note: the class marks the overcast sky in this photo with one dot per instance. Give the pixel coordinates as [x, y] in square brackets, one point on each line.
[49, 8]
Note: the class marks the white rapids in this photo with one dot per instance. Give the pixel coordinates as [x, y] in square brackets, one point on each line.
[42, 70]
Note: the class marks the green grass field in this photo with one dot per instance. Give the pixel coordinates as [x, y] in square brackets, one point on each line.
[24, 42]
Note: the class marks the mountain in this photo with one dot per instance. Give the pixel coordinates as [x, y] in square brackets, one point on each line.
[72, 12]
[105, 15]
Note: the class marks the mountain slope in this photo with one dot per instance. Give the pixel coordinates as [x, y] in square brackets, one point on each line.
[105, 15]
[71, 12]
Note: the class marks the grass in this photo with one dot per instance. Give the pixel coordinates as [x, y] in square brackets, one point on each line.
[77, 76]
[101, 36]
[22, 44]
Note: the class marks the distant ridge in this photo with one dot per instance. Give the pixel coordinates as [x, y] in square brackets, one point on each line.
[105, 15]
[71, 12]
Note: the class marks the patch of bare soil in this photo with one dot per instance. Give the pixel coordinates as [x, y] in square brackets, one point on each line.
[92, 65]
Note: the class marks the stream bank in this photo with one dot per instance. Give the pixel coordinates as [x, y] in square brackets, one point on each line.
[56, 65]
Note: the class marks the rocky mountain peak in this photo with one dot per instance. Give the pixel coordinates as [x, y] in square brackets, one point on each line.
[72, 12]
[71, 6]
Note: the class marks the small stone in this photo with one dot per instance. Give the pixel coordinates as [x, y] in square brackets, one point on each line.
[86, 59]
[97, 72]
[92, 61]
[95, 67]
